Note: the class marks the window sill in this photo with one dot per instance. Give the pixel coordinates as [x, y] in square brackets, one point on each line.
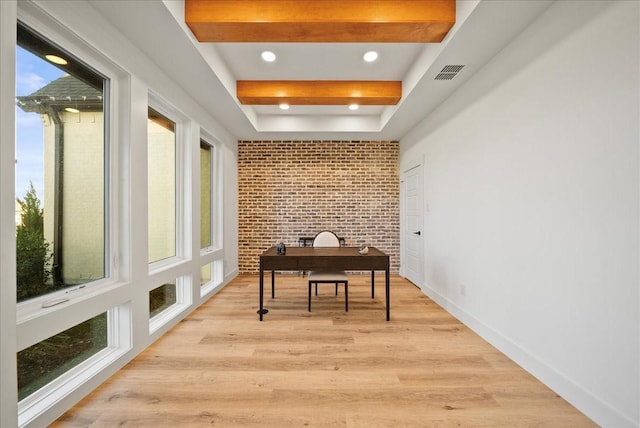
[165, 264]
[41, 306]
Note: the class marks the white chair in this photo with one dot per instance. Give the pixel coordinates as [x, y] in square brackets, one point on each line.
[328, 239]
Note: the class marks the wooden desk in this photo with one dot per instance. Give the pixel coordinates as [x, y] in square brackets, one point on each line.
[322, 258]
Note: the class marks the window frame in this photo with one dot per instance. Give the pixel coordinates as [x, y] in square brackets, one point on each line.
[119, 341]
[183, 301]
[53, 32]
[163, 271]
[216, 194]
[182, 229]
[35, 323]
[213, 255]
[216, 271]
[213, 243]
[86, 55]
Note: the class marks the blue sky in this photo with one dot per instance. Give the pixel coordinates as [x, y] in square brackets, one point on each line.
[32, 73]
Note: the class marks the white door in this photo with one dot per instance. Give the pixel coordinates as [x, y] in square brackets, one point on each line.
[412, 215]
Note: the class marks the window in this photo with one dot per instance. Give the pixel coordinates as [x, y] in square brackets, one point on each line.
[168, 301]
[206, 181]
[60, 169]
[211, 275]
[51, 369]
[206, 274]
[161, 298]
[61, 215]
[162, 186]
[43, 362]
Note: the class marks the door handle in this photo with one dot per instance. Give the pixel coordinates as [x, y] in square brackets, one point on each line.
[416, 233]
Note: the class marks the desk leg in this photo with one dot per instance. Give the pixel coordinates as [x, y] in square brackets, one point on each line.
[373, 283]
[386, 280]
[273, 284]
[260, 311]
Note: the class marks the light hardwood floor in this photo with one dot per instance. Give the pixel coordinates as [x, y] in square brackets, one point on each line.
[222, 367]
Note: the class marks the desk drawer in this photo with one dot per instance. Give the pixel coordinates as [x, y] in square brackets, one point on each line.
[278, 263]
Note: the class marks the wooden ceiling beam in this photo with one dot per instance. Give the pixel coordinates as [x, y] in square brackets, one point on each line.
[396, 21]
[318, 92]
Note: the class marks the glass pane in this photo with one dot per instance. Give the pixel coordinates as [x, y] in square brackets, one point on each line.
[162, 186]
[205, 274]
[161, 298]
[43, 362]
[205, 195]
[60, 169]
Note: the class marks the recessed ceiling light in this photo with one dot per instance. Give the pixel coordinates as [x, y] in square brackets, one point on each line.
[72, 110]
[353, 106]
[284, 106]
[370, 56]
[56, 59]
[268, 56]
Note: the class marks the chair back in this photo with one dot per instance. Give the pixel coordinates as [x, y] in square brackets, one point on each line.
[326, 238]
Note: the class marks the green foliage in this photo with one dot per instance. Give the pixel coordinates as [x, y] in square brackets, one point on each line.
[32, 251]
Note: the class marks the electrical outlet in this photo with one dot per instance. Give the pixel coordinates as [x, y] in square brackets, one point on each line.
[463, 290]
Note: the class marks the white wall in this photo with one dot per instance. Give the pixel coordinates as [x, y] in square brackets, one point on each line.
[532, 180]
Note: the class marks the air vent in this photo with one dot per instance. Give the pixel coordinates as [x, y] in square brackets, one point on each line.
[449, 72]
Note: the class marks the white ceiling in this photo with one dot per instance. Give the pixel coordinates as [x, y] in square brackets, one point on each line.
[208, 71]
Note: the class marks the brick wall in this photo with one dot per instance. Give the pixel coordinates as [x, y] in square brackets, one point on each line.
[289, 189]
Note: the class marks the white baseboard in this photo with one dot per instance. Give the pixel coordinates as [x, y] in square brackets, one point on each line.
[229, 276]
[599, 411]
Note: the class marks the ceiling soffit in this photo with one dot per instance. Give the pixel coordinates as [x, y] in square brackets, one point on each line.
[208, 72]
[326, 21]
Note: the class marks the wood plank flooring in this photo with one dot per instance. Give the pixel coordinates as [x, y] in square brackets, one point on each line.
[326, 368]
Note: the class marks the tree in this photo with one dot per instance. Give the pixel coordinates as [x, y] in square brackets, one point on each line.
[32, 250]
